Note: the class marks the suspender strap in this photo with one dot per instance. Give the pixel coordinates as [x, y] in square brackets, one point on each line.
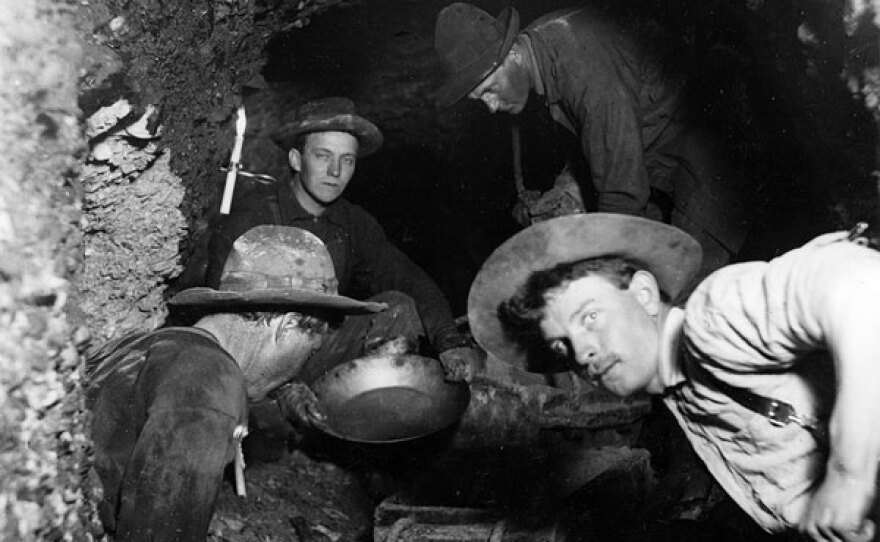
[777, 412]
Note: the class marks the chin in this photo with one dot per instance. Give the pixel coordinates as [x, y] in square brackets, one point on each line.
[619, 389]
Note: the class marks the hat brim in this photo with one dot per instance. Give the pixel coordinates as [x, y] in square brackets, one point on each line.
[461, 82]
[671, 255]
[368, 134]
[208, 297]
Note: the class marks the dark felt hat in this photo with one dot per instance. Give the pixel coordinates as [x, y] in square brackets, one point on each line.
[334, 114]
[471, 44]
[670, 254]
[278, 266]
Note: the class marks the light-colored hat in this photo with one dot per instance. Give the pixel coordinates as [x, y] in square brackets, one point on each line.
[332, 114]
[471, 44]
[670, 254]
[276, 266]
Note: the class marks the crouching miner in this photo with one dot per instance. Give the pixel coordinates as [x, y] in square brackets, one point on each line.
[169, 405]
[770, 368]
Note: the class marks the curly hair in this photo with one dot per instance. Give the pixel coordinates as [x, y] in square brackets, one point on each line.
[522, 313]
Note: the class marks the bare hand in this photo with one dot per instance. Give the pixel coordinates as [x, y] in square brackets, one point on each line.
[300, 405]
[459, 363]
[838, 510]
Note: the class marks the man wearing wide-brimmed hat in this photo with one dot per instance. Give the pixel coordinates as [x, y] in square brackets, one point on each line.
[609, 85]
[166, 404]
[324, 139]
[770, 368]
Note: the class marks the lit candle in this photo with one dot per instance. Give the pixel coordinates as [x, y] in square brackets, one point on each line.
[229, 188]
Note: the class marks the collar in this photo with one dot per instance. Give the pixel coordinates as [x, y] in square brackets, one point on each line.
[533, 65]
[671, 374]
[543, 67]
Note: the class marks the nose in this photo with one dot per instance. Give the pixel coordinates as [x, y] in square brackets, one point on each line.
[585, 352]
[491, 103]
[333, 168]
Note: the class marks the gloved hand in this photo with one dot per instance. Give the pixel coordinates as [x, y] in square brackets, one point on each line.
[300, 406]
[459, 363]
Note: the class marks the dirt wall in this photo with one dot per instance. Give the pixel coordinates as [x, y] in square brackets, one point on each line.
[43, 451]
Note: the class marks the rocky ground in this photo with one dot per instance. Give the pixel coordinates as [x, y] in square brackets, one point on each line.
[629, 482]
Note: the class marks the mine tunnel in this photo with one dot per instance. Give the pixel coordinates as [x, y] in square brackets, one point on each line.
[120, 119]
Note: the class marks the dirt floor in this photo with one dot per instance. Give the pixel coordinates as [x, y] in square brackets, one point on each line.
[321, 495]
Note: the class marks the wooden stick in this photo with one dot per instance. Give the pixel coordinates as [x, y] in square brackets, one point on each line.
[517, 160]
[229, 188]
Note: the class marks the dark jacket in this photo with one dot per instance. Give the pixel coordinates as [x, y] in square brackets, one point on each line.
[612, 87]
[164, 408]
[366, 262]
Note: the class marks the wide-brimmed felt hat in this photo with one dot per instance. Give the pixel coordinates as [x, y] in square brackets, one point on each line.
[276, 266]
[334, 114]
[471, 44]
[670, 254]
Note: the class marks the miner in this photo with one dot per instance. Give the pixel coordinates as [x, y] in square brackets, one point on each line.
[324, 139]
[770, 368]
[169, 406]
[611, 86]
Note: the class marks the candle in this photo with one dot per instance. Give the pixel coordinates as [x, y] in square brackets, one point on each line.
[229, 188]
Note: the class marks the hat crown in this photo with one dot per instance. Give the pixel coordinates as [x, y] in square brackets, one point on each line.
[272, 257]
[322, 109]
[471, 43]
[331, 114]
[465, 32]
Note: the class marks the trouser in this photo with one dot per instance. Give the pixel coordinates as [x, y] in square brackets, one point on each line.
[357, 335]
[161, 455]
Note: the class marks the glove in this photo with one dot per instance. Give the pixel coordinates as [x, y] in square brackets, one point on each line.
[300, 406]
[459, 363]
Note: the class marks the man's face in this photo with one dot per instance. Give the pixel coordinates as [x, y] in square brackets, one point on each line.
[325, 165]
[281, 347]
[301, 335]
[506, 89]
[610, 336]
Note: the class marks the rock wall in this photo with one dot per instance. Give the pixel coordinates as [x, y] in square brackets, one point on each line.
[43, 450]
[161, 120]
[114, 115]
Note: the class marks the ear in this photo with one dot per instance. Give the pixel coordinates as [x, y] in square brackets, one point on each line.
[286, 323]
[647, 292]
[294, 157]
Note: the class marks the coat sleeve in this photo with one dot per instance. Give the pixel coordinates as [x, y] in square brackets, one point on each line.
[380, 266]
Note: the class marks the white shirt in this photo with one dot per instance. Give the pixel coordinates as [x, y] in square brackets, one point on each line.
[755, 326]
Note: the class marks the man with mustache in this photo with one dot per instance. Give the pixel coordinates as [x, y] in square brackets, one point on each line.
[770, 368]
[611, 85]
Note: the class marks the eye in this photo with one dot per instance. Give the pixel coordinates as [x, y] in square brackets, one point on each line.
[590, 317]
[348, 161]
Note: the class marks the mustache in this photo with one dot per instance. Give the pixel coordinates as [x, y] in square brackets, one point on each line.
[600, 364]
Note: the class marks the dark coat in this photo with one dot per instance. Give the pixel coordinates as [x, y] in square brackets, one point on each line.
[164, 407]
[614, 89]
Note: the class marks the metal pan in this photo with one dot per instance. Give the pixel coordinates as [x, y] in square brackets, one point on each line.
[389, 398]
